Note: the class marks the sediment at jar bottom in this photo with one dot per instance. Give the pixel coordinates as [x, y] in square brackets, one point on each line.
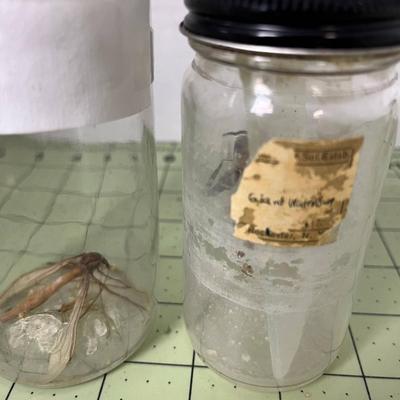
[71, 321]
[265, 351]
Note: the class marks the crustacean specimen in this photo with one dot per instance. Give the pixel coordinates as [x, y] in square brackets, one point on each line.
[41, 284]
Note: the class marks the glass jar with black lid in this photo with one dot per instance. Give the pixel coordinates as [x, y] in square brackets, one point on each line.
[289, 118]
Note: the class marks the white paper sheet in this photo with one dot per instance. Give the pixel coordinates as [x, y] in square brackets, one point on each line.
[71, 63]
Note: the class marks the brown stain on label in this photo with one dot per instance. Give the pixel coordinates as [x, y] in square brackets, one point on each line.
[247, 217]
[295, 193]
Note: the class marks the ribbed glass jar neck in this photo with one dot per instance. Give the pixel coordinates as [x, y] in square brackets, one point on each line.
[315, 62]
[340, 76]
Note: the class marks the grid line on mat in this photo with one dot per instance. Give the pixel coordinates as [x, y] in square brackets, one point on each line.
[42, 222]
[10, 391]
[96, 199]
[166, 364]
[191, 377]
[359, 363]
[103, 381]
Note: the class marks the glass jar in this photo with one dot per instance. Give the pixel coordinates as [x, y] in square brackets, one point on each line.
[78, 212]
[284, 155]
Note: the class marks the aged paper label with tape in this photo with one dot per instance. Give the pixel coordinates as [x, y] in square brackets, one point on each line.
[295, 193]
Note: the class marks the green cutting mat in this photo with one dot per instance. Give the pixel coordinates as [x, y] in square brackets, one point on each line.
[368, 366]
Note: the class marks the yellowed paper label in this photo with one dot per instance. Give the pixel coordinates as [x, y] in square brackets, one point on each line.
[295, 193]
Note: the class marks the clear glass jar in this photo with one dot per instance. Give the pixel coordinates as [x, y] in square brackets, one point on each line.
[78, 188]
[90, 194]
[266, 316]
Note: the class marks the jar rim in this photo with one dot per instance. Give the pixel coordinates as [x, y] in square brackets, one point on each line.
[289, 51]
[331, 24]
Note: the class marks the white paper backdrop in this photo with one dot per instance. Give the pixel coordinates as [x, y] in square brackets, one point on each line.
[172, 56]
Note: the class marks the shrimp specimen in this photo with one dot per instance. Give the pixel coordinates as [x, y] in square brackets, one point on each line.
[85, 269]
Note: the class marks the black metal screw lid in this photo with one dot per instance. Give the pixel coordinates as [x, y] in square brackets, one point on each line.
[330, 24]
